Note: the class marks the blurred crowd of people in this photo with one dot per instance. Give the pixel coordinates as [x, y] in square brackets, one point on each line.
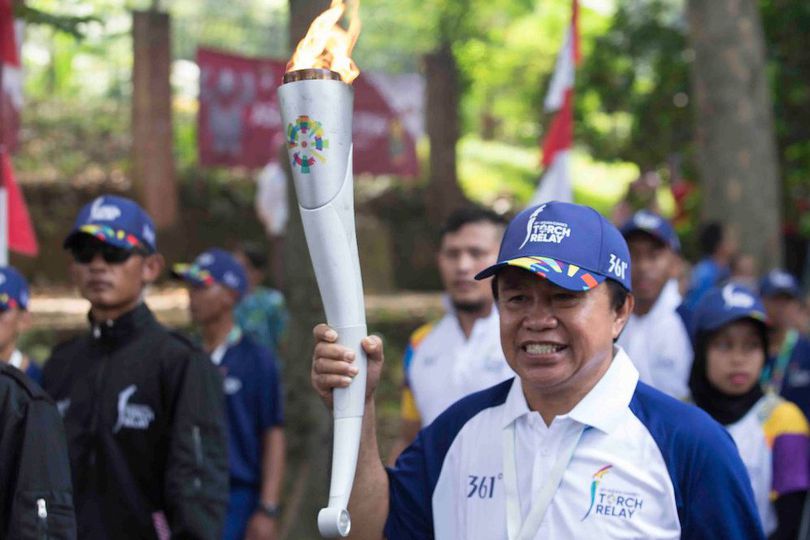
[131, 430]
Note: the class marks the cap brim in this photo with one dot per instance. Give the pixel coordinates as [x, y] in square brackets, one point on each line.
[719, 322]
[104, 234]
[560, 273]
[190, 274]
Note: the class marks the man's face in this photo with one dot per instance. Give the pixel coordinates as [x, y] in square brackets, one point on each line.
[783, 311]
[556, 340]
[12, 322]
[209, 303]
[110, 285]
[462, 255]
[652, 266]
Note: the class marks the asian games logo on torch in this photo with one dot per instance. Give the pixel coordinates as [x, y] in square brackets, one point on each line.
[306, 135]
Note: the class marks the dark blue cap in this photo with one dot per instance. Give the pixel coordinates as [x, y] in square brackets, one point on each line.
[214, 266]
[13, 289]
[778, 282]
[721, 306]
[117, 221]
[571, 245]
[654, 225]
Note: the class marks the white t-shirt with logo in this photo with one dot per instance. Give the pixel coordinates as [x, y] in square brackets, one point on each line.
[646, 467]
[446, 365]
[659, 345]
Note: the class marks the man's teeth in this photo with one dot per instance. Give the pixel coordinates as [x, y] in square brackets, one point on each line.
[544, 348]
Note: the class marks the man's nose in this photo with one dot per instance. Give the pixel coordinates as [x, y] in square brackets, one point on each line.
[540, 317]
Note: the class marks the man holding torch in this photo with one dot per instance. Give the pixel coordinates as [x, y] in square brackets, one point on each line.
[574, 446]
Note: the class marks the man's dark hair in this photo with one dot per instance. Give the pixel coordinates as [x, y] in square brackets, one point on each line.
[470, 214]
[710, 238]
[618, 294]
[254, 253]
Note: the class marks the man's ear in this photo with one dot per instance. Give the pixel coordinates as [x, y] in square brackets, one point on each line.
[623, 314]
[152, 267]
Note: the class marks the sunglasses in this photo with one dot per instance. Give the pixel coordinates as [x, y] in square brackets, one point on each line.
[85, 252]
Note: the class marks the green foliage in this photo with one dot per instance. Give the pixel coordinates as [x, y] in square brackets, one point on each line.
[633, 87]
[786, 24]
[69, 24]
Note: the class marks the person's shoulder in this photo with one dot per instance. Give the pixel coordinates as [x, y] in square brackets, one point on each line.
[18, 386]
[65, 349]
[802, 347]
[419, 335]
[447, 425]
[784, 417]
[675, 425]
[249, 347]
[65, 353]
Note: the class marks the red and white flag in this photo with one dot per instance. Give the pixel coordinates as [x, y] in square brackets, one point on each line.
[19, 234]
[555, 184]
[11, 90]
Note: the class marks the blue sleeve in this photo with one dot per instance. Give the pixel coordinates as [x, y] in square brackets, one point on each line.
[407, 358]
[271, 407]
[34, 372]
[712, 491]
[410, 495]
[413, 479]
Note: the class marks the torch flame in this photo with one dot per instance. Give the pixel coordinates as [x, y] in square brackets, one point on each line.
[327, 45]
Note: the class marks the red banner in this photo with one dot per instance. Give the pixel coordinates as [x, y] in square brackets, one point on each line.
[239, 122]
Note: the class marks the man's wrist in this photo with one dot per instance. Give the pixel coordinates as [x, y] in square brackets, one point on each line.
[271, 510]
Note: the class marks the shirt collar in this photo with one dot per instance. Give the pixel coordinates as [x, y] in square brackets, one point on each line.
[602, 407]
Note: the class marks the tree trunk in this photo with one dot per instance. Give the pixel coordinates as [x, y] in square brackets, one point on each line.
[443, 193]
[308, 421]
[152, 144]
[737, 156]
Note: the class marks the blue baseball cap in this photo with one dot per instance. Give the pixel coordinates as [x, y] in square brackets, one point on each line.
[726, 304]
[117, 221]
[778, 282]
[654, 225]
[213, 266]
[571, 245]
[13, 289]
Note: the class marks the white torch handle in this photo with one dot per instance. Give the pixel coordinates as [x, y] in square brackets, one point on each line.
[331, 239]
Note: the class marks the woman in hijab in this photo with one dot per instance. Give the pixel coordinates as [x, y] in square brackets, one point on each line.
[729, 332]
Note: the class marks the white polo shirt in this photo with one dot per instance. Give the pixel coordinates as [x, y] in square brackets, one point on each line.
[646, 466]
[659, 345]
[445, 365]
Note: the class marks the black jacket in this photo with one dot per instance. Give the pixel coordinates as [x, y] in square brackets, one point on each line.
[36, 499]
[144, 416]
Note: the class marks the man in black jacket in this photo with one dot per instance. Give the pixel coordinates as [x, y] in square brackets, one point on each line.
[35, 499]
[143, 408]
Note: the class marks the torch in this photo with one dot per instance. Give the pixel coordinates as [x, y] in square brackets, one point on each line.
[316, 107]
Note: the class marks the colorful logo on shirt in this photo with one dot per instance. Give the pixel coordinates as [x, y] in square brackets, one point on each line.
[306, 138]
[611, 503]
[597, 479]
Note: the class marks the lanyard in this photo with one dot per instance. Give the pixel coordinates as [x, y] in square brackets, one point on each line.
[219, 353]
[773, 375]
[16, 359]
[542, 497]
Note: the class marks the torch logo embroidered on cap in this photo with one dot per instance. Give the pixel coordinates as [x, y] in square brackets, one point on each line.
[306, 135]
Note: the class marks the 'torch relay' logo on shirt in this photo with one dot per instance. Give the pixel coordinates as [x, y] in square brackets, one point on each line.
[611, 502]
[131, 415]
